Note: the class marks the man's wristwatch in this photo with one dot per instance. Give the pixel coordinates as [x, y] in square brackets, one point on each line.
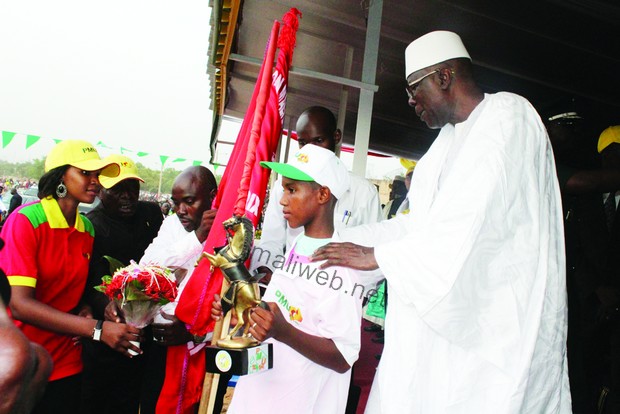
[201, 339]
[97, 331]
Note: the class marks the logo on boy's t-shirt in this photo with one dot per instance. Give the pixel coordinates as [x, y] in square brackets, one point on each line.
[294, 313]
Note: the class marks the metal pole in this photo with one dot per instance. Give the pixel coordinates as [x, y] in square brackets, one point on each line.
[369, 70]
[344, 93]
[161, 174]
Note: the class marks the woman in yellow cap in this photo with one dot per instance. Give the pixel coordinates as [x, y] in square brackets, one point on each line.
[46, 257]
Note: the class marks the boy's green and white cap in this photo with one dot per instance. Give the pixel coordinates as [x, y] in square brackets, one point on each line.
[313, 163]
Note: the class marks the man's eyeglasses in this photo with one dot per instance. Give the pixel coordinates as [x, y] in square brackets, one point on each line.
[413, 85]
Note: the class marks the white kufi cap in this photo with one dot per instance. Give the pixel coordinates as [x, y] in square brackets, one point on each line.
[433, 48]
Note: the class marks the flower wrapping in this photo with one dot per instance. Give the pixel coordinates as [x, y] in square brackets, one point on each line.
[139, 291]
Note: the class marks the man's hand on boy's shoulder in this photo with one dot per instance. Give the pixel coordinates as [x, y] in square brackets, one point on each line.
[268, 323]
[346, 255]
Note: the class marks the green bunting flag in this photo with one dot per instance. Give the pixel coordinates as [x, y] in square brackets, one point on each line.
[31, 140]
[7, 137]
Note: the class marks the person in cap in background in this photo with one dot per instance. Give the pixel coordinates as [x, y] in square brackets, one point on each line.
[313, 319]
[574, 138]
[46, 257]
[124, 228]
[16, 201]
[410, 165]
[398, 192]
[609, 149]
[477, 314]
[591, 296]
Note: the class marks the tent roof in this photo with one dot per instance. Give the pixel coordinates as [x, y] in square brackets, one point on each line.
[548, 51]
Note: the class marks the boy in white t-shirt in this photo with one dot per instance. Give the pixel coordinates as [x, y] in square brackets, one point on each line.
[314, 317]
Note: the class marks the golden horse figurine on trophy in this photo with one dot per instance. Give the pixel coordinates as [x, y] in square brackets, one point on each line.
[242, 294]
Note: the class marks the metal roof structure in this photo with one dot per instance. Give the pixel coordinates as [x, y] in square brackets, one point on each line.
[548, 51]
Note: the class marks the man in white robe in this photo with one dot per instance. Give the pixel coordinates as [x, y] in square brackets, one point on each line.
[477, 315]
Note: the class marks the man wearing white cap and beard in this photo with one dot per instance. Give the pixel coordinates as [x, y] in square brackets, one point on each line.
[477, 315]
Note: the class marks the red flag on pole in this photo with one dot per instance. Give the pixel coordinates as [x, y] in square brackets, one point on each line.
[242, 190]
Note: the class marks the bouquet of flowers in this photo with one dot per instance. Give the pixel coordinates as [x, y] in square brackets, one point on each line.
[139, 291]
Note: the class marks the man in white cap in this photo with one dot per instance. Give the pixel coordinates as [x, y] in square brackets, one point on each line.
[477, 315]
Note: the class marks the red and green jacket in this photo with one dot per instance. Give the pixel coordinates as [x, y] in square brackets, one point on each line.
[44, 253]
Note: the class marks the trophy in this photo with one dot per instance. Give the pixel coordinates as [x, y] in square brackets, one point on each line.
[238, 352]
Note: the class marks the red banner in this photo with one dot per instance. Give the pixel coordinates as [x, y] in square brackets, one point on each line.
[242, 190]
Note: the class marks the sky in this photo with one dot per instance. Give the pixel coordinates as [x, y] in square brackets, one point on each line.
[128, 74]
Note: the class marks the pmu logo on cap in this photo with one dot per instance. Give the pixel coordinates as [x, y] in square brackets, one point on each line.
[89, 149]
[301, 157]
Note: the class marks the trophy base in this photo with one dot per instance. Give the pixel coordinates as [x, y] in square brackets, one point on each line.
[239, 361]
[238, 342]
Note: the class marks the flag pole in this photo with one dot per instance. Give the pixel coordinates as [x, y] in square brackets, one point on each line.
[211, 381]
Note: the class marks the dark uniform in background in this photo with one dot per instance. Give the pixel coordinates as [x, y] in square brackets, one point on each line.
[593, 290]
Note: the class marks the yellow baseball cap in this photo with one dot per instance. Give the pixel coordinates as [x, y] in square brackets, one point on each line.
[609, 136]
[79, 154]
[128, 170]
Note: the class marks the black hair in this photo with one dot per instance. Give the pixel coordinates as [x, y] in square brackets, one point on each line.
[50, 180]
[328, 117]
[207, 177]
[203, 175]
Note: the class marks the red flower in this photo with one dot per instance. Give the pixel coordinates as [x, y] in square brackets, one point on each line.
[135, 282]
